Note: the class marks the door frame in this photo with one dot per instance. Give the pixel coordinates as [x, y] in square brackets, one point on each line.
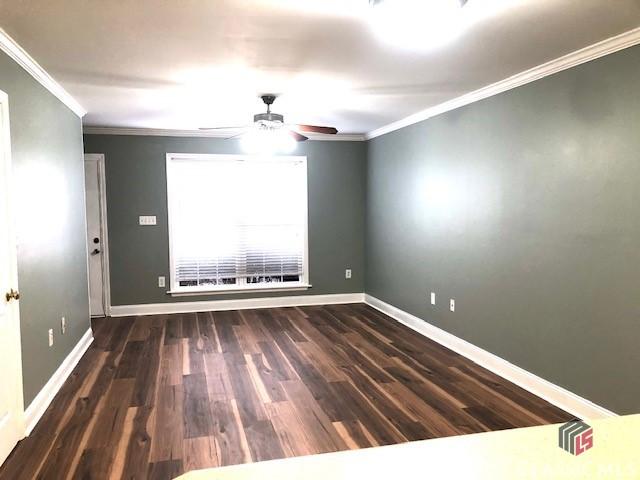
[104, 243]
[16, 351]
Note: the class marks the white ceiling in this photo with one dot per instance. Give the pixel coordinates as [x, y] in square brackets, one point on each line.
[191, 63]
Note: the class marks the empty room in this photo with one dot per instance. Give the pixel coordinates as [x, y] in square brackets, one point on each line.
[319, 239]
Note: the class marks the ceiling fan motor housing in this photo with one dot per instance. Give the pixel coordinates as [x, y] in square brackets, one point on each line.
[268, 119]
[268, 99]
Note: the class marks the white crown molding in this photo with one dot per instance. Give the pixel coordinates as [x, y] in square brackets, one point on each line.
[157, 132]
[597, 50]
[554, 394]
[592, 52]
[239, 304]
[9, 46]
[39, 405]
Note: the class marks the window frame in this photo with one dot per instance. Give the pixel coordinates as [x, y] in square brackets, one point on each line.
[177, 290]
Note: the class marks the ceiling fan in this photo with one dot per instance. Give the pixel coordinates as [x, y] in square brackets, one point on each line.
[274, 122]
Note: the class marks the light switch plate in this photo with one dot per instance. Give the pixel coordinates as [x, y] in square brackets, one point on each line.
[51, 337]
[161, 282]
[452, 305]
[147, 220]
[433, 298]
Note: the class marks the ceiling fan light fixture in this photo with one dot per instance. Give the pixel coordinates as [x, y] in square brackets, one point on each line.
[263, 141]
[269, 134]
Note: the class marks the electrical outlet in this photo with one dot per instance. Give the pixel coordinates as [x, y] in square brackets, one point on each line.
[51, 337]
[147, 220]
[347, 273]
[433, 298]
[161, 282]
[452, 305]
[63, 325]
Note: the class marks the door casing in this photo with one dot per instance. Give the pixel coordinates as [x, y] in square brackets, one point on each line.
[104, 241]
[12, 355]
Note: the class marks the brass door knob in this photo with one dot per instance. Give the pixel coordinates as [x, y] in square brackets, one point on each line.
[12, 295]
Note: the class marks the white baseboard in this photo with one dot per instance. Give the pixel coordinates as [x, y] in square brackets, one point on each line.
[239, 304]
[554, 394]
[39, 405]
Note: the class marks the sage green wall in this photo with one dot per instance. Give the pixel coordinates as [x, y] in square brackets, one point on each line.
[136, 185]
[524, 208]
[46, 145]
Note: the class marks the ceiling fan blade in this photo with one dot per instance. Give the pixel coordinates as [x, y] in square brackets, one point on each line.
[298, 137]
[316, 129]
[221, 128]
[239, 134]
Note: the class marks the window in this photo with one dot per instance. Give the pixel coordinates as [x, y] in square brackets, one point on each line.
[237, 222]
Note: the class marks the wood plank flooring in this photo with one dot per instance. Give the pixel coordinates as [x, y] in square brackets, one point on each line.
[156, 396]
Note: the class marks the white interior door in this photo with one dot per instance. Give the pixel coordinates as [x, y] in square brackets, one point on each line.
[96, 236]
[11, 402]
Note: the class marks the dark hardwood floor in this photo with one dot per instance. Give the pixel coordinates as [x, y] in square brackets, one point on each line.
[156, 396]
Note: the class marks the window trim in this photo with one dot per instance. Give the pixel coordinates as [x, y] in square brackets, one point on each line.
[175, 289]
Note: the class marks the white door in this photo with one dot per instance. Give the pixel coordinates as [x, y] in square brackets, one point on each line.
[96, 233]
[11, 406]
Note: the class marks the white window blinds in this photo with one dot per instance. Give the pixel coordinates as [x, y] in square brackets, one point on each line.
[237, 222]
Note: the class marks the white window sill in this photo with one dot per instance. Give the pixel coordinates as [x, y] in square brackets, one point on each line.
[185, 292]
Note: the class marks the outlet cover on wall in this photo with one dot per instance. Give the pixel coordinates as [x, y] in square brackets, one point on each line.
[147, 220]
[161, 282]
[51, 337]
[347, 273]
[452, 305]
[433, 298]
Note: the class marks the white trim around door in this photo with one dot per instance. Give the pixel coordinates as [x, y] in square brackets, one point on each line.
[11, 392]
[104, 240]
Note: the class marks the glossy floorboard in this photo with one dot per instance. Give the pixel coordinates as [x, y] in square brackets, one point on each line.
[156, 396]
